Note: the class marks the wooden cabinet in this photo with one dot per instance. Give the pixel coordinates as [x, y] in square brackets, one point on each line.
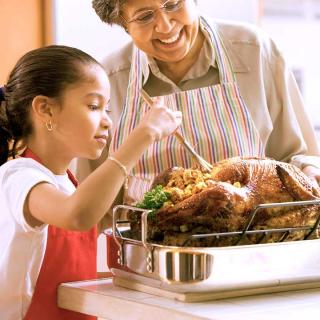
[24, 25]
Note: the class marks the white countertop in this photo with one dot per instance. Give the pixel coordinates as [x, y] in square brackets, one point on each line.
[101, 298]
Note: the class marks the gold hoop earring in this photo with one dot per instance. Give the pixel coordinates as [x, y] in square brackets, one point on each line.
[49, 125]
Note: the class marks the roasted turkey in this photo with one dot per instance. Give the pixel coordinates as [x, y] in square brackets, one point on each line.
[223, 200]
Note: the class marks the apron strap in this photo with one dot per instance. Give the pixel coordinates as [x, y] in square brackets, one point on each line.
[226, 73]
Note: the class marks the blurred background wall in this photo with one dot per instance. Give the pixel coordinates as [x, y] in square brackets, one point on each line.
[89, 33]
[293, 24]
[29, 24]
[24, 25]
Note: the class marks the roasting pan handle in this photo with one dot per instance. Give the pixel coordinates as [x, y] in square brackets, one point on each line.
[144, 233]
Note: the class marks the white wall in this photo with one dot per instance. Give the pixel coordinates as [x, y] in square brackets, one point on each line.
[295, 31]
[78, 25]
[244, 10]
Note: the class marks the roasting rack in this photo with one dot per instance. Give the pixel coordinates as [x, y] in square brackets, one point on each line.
[190, 273]
[263, 233]
[240, 235]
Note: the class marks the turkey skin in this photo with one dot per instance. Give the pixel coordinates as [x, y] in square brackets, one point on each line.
[223, 200]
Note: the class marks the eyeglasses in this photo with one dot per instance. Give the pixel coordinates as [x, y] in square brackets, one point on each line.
[147, 16]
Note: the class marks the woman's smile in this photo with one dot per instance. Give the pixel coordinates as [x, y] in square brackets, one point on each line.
[173, 41]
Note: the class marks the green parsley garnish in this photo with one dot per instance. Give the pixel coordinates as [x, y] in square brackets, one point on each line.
[154, 199]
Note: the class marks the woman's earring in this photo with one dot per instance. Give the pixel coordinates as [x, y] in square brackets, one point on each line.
[49, 125]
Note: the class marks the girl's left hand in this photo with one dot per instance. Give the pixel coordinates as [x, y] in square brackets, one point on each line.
[313, 173]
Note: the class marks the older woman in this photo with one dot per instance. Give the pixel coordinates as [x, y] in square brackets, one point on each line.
[235, 91]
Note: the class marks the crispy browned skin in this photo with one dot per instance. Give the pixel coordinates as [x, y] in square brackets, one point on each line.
[236, 186]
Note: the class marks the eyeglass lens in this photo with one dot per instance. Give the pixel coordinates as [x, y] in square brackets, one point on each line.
[148, 16]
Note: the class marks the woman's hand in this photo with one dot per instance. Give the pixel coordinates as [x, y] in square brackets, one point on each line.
[160, 121]
[313, 173]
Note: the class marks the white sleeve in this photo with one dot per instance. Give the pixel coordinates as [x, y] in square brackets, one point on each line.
[16, 185]
[302, 161]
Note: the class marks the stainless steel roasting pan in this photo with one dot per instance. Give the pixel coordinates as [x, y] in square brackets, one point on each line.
[277, 266]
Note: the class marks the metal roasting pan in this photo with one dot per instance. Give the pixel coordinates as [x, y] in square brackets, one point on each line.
[216, 269]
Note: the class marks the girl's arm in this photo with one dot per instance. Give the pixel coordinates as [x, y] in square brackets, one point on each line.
[92, 199]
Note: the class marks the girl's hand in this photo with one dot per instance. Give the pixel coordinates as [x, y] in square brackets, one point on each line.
[160, 121]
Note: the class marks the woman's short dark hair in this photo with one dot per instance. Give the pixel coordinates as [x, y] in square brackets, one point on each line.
[109, 11]
[46, 71]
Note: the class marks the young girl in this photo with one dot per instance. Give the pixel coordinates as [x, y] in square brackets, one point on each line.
[56, 105]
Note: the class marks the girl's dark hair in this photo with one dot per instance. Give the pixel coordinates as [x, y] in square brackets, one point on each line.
[109, 11]
[45, 71]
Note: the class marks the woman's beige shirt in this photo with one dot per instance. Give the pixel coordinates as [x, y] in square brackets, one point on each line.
[265, 81]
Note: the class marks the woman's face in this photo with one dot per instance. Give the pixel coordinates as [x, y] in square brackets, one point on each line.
[170, 35]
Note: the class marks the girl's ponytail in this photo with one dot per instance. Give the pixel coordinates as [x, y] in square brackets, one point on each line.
[5, 135]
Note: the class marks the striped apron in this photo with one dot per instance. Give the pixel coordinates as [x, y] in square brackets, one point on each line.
[215, 121]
